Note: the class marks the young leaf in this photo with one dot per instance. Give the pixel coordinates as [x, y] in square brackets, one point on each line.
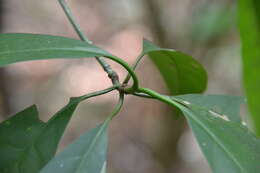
[228, 145]
[181, 72]
[86, 154]
[27, 143]
[249, 25]
[25, 47]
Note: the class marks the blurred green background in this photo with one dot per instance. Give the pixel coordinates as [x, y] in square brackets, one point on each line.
[145, 137]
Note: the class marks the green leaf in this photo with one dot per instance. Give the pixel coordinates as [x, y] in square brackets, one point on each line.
[181, 72]
[28, 143]
[249, 25]
[228, 145]
[86, 154]
[17, 136]
[221, 104]
[25, 47]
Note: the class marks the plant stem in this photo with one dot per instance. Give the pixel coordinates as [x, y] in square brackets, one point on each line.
[143, 95]
[138, 59]
[98, 93]
[93, 94]
[73, 22]
[107, 68]
[163, 98]
[135, 85]
[166, 99]
[118, 106]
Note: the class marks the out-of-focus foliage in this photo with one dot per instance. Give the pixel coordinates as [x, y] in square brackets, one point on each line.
[249, 24]
[212, 20]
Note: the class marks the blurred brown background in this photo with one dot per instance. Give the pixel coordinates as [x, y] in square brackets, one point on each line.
[145, 137]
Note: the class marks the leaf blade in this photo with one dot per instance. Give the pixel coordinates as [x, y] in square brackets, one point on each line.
[12, 143]
[181, 72]
[221, 104]
[86, 154]
[38, 148]
[17, 47]
[228, 145]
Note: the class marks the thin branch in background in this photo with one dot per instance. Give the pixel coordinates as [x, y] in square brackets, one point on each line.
[107, 68]
[4, 101]
[167, 152]
[154, 14]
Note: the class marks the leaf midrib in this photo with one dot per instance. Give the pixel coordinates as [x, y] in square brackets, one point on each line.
[215, 138]
[75, 49]
[94, 141]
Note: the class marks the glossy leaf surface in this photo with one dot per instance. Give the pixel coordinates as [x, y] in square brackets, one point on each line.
[181, 72]
[249, 24]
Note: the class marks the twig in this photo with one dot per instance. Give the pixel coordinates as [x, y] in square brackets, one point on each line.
[138, 59]
[97, 93]
[118, 106]
[107, 68]
[4, 96]
[143, 95]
